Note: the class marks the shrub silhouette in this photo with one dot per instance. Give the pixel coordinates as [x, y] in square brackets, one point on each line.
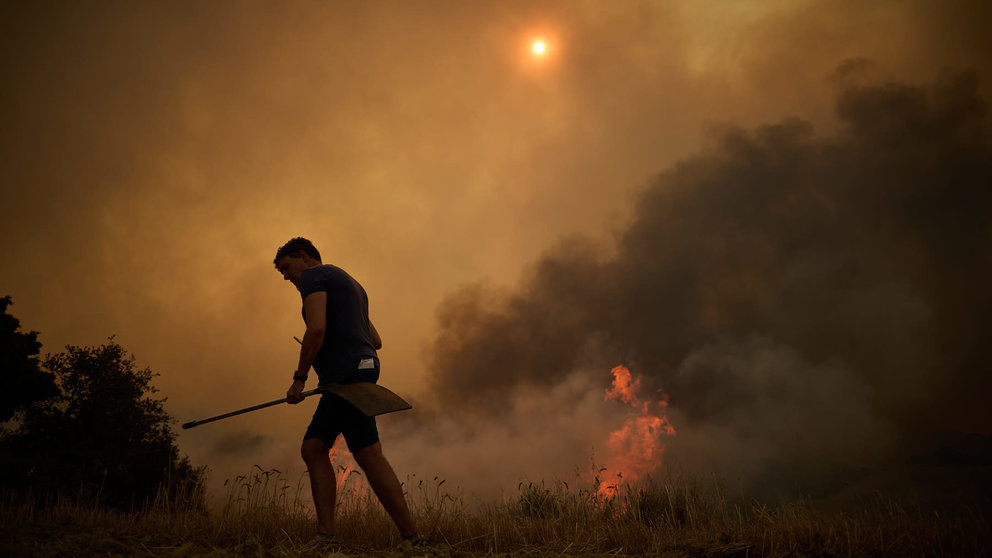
[100, 437]
[23, 380]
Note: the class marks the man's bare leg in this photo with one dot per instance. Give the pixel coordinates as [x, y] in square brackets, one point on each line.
[386, 486]
[322, 483]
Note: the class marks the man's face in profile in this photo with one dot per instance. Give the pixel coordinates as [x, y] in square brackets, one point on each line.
[291, 267]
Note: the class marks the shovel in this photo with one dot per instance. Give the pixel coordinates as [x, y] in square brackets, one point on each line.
[371, 399]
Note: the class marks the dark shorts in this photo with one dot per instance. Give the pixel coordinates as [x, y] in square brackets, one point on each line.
[335, 416]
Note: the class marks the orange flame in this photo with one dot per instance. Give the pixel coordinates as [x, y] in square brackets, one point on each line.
[636, 448]
[345, 470]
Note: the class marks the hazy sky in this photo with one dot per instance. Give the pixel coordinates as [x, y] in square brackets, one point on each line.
[153, 156]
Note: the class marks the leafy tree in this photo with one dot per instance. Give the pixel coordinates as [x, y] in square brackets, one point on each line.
[103, 435]
[22, 379]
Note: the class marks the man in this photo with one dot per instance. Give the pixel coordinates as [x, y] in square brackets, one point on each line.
[340, 343]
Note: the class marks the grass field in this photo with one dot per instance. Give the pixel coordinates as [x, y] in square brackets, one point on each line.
[265, 515]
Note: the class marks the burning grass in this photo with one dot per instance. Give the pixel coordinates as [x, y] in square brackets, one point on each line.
[267, 515]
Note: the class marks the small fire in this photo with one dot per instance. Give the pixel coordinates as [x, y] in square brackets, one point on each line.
[346, 469]
[636, 448]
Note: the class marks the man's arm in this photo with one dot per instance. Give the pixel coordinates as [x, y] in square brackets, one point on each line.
[315, 305]
[376, 340]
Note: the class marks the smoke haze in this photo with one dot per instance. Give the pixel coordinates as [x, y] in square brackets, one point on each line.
[804, 299]
[813, 256]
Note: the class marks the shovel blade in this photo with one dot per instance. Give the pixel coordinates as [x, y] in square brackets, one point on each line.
[371, 399]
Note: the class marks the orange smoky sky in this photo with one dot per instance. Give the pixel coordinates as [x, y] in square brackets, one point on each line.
[154, 155]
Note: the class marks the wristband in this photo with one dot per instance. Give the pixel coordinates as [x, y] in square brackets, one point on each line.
[299, 378]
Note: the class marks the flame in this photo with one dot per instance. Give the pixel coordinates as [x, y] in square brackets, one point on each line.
[624, 387]
[636, 448]
[346, 469]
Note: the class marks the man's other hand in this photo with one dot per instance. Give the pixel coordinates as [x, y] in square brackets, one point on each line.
[295, 393]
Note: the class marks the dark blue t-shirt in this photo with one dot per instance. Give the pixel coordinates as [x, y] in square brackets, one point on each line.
[348, 336]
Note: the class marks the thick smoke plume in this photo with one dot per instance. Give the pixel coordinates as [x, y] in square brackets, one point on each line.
[806, 300]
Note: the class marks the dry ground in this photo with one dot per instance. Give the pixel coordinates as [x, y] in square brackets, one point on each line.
[880, 515]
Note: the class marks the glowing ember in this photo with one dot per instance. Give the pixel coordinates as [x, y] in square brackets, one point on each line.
[636, 448]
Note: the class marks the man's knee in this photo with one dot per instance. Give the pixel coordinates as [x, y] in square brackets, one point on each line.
[314, 450]
[368, 455]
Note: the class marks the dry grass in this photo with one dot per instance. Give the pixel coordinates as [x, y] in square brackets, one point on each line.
[265, 515]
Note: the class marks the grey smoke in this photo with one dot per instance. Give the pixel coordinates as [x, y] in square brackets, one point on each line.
[802, 297]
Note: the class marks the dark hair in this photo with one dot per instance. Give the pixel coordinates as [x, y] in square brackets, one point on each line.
[292, 247]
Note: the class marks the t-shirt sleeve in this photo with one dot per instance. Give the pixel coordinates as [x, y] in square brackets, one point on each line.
[311, 282]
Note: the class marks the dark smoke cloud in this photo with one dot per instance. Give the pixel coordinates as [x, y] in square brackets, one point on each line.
[802, 298]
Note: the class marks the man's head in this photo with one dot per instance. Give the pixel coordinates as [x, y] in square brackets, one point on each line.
[295, 256]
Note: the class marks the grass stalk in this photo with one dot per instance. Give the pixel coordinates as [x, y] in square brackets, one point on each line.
[267, 515]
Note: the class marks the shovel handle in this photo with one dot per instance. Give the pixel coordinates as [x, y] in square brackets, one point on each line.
[191, 424]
